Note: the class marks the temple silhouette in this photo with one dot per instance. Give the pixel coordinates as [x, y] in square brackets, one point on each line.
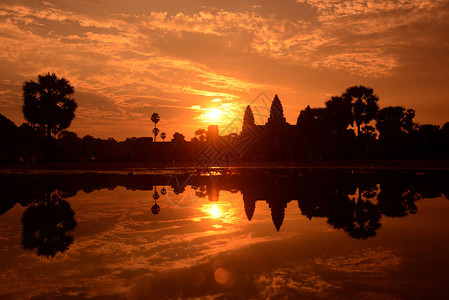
[322, 133]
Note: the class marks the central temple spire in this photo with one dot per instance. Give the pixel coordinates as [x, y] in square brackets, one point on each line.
[276, 118]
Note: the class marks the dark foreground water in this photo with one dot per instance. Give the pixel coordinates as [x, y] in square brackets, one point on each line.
[244, 234]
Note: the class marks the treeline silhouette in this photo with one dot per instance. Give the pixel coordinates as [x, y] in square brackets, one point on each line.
[349, 127]
[325, 133]
[351, 201]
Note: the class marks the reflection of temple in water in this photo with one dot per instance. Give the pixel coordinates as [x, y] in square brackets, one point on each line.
[350, 201]
[277, 207]
[250, 206]
[277, 212]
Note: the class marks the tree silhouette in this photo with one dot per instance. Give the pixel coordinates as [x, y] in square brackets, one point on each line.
[155, 118]
[201, 133]
[445, 129]
[178, 138]
[369, 131]
[48, 103]
[313, 129]
[339, 113]
[163, 136]
[364, 104]
[408, 124]
[155, 132]
[394, 121]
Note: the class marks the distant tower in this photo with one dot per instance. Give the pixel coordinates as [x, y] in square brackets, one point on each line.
[248, 120]
[212, 132]
[276, 118]
[250, 206]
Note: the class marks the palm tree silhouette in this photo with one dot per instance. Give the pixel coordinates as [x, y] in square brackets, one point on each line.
[48, 104]
[155, 118]
[155, 132]
[359, 218]
[163, 136]
[364, 104]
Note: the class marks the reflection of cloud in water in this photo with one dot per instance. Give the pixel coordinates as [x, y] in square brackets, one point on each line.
[210, 249]
[369, 261]
[118, 240]
[291, 283]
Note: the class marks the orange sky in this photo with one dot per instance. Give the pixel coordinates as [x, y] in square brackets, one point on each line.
[128, 59]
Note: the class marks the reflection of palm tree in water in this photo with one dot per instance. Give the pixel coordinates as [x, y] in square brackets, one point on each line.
[366, 220]
[155, 209]
[47, 223]
[366, 214]
[359, 218]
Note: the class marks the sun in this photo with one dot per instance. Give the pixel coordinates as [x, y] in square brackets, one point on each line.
[212, 115]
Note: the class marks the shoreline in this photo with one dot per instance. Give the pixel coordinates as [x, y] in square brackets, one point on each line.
[363, 165]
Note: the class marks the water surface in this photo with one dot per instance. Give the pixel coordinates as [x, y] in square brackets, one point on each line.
[241, 234]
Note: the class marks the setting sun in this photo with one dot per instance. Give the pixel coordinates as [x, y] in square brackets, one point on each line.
[212, 115]
[224, 149]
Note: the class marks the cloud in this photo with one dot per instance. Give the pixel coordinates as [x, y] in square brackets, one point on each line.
[335, 9]
[192, 54]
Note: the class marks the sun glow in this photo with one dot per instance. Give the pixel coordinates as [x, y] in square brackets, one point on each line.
[212, 115]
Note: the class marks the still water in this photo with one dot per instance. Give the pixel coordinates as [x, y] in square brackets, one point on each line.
[242, 234]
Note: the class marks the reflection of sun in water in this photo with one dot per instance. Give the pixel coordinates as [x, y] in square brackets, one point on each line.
[215, 211]
[212, 115]
[219, 213]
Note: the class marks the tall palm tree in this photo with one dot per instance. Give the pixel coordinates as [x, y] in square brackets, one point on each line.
[155, 132]
[155, 119]
[48, 103]
[364, 104]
